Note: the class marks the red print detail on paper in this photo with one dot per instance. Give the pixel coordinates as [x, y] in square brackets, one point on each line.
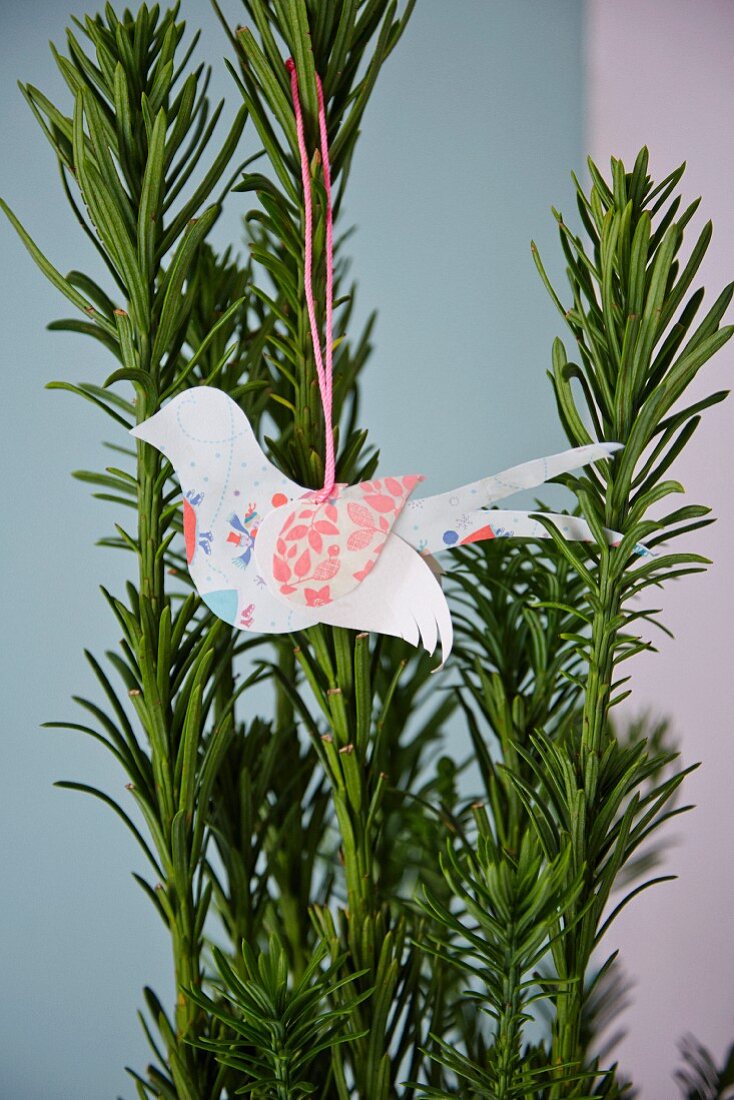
[317, 597]
[337, 540]
[189, 525]
[481, 535]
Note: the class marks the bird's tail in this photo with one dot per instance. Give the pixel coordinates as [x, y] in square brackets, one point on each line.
[435, 523]
[504, 523]
[529, 475]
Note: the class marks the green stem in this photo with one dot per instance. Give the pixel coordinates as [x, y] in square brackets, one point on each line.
[507, 1043]
[579, 944]
[603, 648]
[567, 1037]
[186, 952]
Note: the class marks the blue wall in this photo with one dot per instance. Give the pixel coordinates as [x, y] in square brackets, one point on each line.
[471, 135]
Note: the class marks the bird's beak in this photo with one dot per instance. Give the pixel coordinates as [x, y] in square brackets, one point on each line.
[149, 430]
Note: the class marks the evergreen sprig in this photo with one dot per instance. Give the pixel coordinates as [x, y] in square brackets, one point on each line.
[137, 131]
[346, 43]
[499, 937]
[275, 1026]
[638, 350]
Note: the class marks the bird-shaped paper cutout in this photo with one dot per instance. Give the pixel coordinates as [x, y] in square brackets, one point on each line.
[266, 554]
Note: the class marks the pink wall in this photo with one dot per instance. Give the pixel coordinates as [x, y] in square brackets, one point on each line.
[661, 73]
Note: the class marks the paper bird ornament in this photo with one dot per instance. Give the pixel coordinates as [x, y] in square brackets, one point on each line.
[267, 554]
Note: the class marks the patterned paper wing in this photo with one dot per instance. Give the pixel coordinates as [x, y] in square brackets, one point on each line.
[314, 552]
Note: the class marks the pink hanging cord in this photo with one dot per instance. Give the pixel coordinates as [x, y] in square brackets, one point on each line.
[324, 363]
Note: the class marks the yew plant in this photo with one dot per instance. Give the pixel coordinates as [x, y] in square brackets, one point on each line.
[346, 918]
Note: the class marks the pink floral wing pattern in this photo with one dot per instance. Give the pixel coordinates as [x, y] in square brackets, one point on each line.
[325, 549]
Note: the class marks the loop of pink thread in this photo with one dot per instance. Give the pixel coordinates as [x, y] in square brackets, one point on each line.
[324, 369]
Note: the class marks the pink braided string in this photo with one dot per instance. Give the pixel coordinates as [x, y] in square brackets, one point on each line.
[324, 363]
